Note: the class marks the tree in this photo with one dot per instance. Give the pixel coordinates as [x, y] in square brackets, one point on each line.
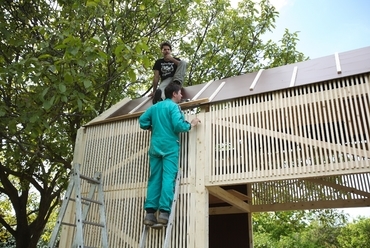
[300, 229]
[356, 234]
[5, 237]
[224, 42]
[285, 53]
[64, 62]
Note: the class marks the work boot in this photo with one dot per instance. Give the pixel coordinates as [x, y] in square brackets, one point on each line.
[157, 96]
[163, 218]
[150, 219]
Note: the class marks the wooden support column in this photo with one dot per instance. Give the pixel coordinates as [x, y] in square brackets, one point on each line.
[250, 216]
[199, 199]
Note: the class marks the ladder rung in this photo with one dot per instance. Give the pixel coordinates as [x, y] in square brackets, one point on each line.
[89, 179]
[91, 200]
[68, 224]
[93, 223]
[73, 199]
[85, 222]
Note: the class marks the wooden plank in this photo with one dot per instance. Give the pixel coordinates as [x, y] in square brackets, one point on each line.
[311, 205]
[229, 198]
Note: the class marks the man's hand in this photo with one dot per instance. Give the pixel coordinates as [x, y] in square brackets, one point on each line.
[195, 122]
[168, 57]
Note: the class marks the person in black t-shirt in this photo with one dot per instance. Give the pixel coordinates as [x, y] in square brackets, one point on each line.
[166, 70]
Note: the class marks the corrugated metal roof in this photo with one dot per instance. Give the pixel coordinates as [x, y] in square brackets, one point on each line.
[308, 72]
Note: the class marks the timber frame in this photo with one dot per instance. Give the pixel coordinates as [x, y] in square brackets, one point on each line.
[287, 138]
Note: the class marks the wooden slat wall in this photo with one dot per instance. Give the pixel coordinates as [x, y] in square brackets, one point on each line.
[314, 130]
[119, 151]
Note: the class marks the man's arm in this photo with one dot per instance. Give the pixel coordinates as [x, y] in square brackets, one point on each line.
[178, 121]
[169, 57]
[155, 82]
[145, 120]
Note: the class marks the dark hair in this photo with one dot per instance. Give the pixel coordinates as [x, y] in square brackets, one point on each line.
[172, 87]
[166, 43]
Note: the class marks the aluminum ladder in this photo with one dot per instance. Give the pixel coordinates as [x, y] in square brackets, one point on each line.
[168, 227]
[74, 186]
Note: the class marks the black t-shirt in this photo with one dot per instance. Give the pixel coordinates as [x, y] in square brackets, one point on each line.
[166, 68]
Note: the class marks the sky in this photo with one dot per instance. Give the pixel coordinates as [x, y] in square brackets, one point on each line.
[324, 27]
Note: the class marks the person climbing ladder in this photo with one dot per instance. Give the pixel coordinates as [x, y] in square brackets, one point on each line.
[165, 120]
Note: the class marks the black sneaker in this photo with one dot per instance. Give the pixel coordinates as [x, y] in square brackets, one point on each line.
[157, 96]
[150, 219]
[163, 218]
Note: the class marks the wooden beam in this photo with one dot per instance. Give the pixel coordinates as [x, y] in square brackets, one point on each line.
[214, 200]
[240, 195]
[311, 205]
[338, 186]
[293, 206]
[224, 210]
[229, 198]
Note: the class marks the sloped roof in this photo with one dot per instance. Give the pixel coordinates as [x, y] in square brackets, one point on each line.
[307, 72]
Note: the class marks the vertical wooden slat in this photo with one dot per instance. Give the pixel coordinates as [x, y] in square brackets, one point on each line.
[280, 139]
[285, 128]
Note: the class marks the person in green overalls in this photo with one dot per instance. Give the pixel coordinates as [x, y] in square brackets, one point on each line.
[165, 121]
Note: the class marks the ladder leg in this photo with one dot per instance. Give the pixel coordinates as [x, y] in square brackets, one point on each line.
[172, 214]
[104, 233]
[61, 214]
[79, 240]
[81, 213]
[170, 220]
[143, 237]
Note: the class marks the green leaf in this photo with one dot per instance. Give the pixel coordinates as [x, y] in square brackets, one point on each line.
[62, 88]
[79, 104]
[44, 92]
[64, 99]
[34, 118]
[68, 78]
[132, 75]
[87, 83]
[91, 4]
[46, 105]
[146, 62]
[44, 56]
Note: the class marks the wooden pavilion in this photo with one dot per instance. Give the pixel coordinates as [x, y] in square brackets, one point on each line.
[287, 138]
